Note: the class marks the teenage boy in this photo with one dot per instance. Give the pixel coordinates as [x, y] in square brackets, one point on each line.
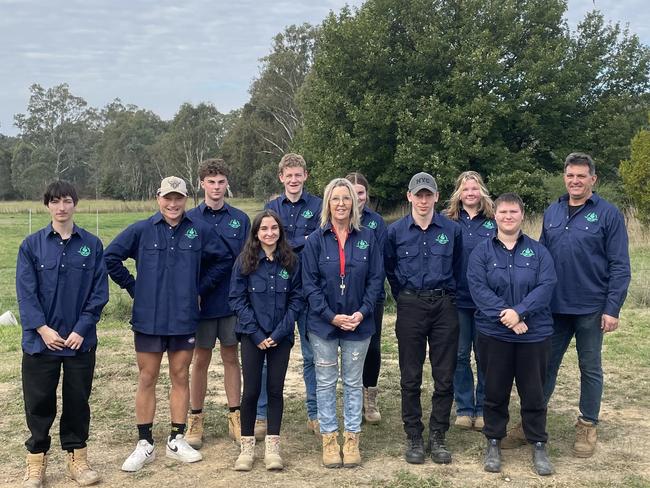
[300, 214]
[62, 288]
[176, 259]
[217, 318]
[423, 255]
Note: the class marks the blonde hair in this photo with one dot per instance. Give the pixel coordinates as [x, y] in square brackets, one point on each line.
[326, 214]
[486, 206]
[291, 160]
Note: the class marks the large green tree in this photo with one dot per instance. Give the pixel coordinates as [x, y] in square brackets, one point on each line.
[636, 173]
[401, 86]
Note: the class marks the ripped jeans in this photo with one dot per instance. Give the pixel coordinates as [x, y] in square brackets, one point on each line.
[326, 360]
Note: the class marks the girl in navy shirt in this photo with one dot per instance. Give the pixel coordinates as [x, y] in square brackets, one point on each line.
[266, 295]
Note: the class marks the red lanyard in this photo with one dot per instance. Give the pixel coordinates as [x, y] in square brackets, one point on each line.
[341, 261]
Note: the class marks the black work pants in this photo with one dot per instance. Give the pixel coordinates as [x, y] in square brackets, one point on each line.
[40, 376]
[432, 320]
[372, 365]
[526, 363]
[277, 361]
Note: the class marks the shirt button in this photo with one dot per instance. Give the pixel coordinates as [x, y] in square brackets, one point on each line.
[172, 237]
[61, 243]
[527, 264]
[271, 276]
[566, 228]
[586, 228]
[327, 257]
[495, 264]
[83, 265]
[64, 254]
[155, 245]
[42, 266]
[63, 265]
[190, 245]
[406, 253]
[271, 288]
[364, 257]
[470, 233]
[510, 265]
[253, 288]
[172, 248]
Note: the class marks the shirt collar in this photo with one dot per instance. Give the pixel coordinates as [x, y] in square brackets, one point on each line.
[49, 230]
[303, 196]
[496, 239]
[203, 207]
[411, 221]
[594, 198]
[157, 218]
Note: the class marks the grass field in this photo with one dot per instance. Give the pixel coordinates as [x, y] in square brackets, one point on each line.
[622, 459]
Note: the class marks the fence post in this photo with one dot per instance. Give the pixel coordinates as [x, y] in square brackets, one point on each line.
[30, 220]
[97, 222]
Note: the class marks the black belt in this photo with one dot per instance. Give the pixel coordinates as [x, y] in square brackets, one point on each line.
[438, 292]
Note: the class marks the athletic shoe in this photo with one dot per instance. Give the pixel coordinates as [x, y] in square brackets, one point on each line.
[143, 454]
[179, 449]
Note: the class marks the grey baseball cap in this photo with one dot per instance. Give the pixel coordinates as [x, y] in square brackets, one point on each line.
[423, 181]
[172, 184]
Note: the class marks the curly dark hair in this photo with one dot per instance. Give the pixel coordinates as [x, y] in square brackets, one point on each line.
[283, 254]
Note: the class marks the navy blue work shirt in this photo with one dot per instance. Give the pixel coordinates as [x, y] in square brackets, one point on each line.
[522, 279]
[475, 230]
[590, 250]
[373, 221]
[61, 284]
[423, 259]
[299, 219]
[233, 226]
[268, 301]
[174, 265]
[321, 280]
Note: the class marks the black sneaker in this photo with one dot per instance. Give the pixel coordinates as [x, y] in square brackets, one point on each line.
[541, 462]
[493, 456]
[414, 453]
[439, 452]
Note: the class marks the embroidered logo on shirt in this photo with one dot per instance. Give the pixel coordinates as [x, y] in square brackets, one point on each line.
[488, 224]
[191, 233]
[363, 244]
[372, 225]
[84, 251]
[235, 224]
[283, 274]
[442, 239]
[308, 214]
[528, 253]
[592, 217]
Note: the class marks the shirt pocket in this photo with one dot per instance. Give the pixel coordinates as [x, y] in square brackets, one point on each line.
[498, 278]
[151, 252]
[360, 255]
[526, 272]
[189, 245]
[257, 284]
[47, 276]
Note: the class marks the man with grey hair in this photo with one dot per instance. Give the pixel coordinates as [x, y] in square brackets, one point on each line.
[422, 260]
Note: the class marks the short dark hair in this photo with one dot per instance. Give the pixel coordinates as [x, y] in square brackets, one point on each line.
[60, 189]
[213, 167]
[509, 198]
[580, 159]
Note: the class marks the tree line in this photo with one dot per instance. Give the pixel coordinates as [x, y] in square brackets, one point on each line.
[394, 87]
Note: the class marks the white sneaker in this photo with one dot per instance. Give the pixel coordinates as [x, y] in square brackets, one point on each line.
[143, 454]
[179, 449]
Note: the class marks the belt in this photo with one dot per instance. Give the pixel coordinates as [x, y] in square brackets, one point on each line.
[438, 292]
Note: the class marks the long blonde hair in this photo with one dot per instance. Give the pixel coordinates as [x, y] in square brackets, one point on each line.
[486, 206]
[326, 214]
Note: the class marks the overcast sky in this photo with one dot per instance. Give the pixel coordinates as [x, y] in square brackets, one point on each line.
[158, 54]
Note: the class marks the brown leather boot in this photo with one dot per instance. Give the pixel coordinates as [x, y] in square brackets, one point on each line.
[586, 437]
[370, 410]
[78, 468]
[35, 471]
[234, 425]
[194, 435]
[514, 438]
[351, 454]
[331, 450]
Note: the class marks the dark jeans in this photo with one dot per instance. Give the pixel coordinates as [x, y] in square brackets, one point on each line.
[589, 344]
[277, 360]
[469, 401]
[40, 375]
[373, 357]
[421, 320]
[526, 363]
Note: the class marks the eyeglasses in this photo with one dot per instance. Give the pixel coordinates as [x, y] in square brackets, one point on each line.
[338, 200]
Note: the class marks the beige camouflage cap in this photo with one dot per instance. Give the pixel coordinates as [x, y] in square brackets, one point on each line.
[172, 184]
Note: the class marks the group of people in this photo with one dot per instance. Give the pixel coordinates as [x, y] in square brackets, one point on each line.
[464, 278]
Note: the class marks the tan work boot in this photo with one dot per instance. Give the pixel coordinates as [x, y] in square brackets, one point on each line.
[479, 423]
[260, 429]
[234, 425]
[351, 454]
[78, 468]
[370, 410]
[314, 426]
[272, 458]
[194, 434]
[35, 471]
[246, 454]
[331, 450]
[586, 437]
[514, 438]
[464, 422]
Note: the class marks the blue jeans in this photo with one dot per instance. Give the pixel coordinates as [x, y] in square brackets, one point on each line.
[353, 355]
[589, 344]
[468, 401]
[308, 374]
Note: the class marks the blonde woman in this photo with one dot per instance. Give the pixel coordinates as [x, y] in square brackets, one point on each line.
[343, 274]
[471, 206]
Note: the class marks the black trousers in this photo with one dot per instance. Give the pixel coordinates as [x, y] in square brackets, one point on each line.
[277, 361]
[372, 365]
[526, 363]
[420, 321]
[40, 375]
